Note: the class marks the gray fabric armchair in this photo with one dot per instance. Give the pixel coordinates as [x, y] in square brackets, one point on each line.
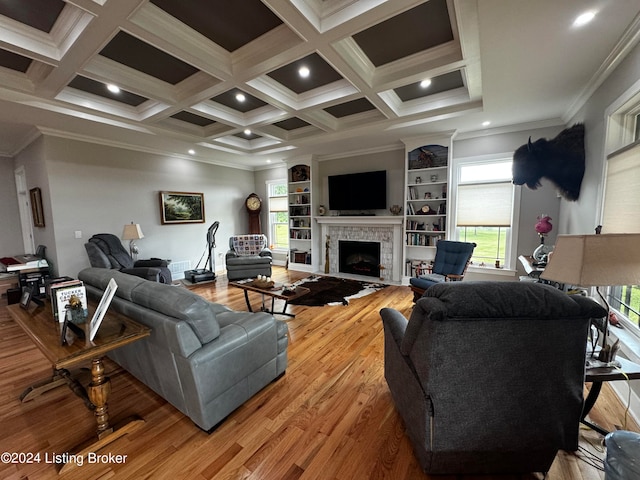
[248, 256]
[489, 376]
[105, 250]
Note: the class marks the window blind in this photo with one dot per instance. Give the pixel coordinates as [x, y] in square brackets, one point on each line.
[485, 205]
[278, 204]
[622, 192]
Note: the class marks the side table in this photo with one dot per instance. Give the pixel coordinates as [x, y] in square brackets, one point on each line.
[115, 331]
[597, 376]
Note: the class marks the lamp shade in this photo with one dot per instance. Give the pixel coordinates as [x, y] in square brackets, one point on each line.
[132, 231]
[595, 260]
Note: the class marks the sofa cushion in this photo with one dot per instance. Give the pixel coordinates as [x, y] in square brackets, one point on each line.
[180, 303]
[478, 299]
[248, 244]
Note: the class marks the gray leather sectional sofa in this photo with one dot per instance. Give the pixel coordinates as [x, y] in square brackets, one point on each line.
[202, 357]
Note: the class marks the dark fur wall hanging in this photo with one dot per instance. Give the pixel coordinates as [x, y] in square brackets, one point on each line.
[560, 160]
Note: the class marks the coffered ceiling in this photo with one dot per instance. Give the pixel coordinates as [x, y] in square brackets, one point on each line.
[222, 77]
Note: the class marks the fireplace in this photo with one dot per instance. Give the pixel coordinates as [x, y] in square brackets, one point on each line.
[359, 258]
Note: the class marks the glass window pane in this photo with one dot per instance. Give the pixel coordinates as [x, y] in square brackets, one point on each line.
[491, 243]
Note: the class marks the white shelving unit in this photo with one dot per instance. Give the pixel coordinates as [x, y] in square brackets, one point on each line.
[426, 209]
[300, 217]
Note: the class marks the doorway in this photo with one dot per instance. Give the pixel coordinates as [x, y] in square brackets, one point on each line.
[24, 207]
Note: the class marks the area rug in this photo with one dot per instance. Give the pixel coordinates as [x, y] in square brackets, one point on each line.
[333, 291]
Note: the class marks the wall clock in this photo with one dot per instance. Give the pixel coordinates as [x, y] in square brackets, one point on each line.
[253, 204]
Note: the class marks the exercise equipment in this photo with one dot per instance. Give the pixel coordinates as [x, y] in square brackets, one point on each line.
[205, 274]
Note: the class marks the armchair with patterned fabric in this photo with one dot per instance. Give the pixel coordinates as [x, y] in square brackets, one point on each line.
[449, 265]
[248, 256]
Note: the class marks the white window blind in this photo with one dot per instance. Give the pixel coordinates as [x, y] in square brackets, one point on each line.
[485, 205]
[278, 204]
[622, 192]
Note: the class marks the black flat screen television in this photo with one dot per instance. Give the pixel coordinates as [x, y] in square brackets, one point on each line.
[358, 191]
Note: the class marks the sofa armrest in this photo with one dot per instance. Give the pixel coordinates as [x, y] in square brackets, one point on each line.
[395, 324]
[266, 253]
[151, 262]
[148, 273]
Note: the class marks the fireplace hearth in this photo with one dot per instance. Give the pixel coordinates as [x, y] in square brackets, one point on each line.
[359, 258]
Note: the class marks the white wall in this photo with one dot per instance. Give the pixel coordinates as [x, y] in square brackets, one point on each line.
[533, 203]
[583, 215]
[95, 189]
[10, 233]
[392, 161]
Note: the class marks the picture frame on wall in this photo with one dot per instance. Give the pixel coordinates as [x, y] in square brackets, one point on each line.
[181, 207]
[35, 196]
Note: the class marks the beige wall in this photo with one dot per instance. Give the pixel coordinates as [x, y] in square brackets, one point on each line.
[93, 188]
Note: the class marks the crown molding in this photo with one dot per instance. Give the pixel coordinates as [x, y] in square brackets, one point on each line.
[627, 42]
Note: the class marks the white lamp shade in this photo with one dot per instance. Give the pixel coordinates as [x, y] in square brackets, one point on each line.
[132, 231]
[595, 260]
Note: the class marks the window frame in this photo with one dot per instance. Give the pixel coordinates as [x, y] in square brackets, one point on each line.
[272, 234]
[512, 234]
[622, 119]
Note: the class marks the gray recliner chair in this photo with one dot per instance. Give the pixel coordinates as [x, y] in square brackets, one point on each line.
[248, 256]
[488, 377]
[105, 250]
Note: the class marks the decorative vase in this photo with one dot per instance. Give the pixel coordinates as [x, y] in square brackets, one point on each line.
[395, 209]
[541, 253]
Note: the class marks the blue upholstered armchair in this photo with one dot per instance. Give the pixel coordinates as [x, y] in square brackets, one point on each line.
[450, 264]
[248, 256]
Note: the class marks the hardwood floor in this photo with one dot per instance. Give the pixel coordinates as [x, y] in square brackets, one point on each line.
[330, 417]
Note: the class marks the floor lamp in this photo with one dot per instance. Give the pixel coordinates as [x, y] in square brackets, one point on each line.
[596, 261]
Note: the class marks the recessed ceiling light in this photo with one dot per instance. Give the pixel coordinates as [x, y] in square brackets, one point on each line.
[486, 123]
[113, 88]
[425, 83]
[584, 18]
[247, 131]
[304, 72]
[192, 151]
[268, 160]
[240, 97]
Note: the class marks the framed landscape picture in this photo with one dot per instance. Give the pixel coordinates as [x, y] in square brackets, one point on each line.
[181, 207]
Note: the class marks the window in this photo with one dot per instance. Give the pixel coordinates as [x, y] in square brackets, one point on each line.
[484, 209]
[621, 205]
[278, 214]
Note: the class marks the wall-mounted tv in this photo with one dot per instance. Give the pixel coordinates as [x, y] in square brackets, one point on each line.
[358, 191]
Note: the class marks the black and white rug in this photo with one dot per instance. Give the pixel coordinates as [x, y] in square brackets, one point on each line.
[327, 290]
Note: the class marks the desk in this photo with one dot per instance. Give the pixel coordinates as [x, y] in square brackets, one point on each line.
[115, 331]
[530, 266]
[597, 376]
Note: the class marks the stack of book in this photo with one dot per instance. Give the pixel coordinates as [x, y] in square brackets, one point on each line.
[60, 290]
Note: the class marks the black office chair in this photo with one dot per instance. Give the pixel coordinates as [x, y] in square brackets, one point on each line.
[105, 250]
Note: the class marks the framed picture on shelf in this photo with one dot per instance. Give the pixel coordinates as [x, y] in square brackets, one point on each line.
[300, 173]
[181, 207]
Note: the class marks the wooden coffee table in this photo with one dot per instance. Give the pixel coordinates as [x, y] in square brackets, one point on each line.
[115, 331]
[276, 292]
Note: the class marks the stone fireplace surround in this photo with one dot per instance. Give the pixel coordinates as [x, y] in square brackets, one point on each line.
[387, 230]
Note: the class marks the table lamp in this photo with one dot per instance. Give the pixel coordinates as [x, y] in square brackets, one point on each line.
[595, 261]
[132, 232]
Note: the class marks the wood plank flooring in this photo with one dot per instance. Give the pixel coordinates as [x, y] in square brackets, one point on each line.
[330, 417]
